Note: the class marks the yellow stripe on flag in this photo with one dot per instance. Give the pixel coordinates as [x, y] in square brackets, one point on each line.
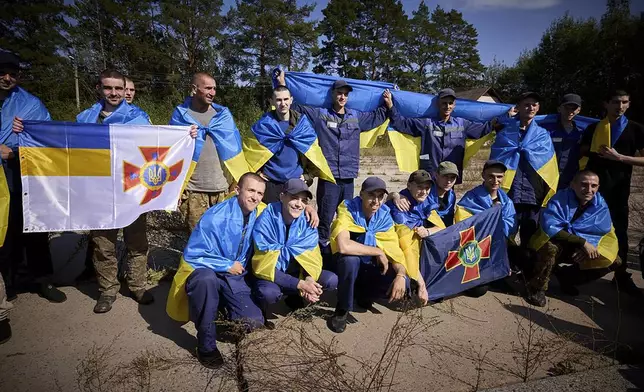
[4, 206]
[550, 174]
[407, 150]
[51, 162]
[460, 214]
[472, 146]
[368, 139]
[256, 154]
[315, 156]
[177, 304]
[264, 263]
[237, 165]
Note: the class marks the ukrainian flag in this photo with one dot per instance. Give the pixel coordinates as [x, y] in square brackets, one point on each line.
[273, 249]
[268, 138]
[379, 232]
[99, 176]
[4, 206]
[535, 146]
[594, 225]
[478, 200]
[124, 114]
[224, 133]
[606, 134]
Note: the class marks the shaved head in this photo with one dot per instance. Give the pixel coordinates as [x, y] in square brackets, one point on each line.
[203, 90]
[201, 78]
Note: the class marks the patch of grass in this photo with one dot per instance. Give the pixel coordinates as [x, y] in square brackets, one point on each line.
[154, 275]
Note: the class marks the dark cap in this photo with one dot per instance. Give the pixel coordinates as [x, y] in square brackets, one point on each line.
[446, 92]
[9, 60]
[295, 186]
[420, 177]
[341, 83]
[529, 94]
[494, 163]
[373, 184]
[571, 99]
[447, 167]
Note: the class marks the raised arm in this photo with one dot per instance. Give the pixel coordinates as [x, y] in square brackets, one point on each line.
[410, 126]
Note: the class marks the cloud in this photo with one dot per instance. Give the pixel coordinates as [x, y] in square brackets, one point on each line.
[509, 4]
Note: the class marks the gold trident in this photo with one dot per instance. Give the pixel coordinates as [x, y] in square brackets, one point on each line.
[154, 176]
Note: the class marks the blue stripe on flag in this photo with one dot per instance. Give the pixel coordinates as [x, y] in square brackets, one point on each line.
[59, 134]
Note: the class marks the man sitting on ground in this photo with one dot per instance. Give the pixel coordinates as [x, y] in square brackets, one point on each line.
[287, 257]
[418, 222]
[368, 255]
[575, 226]
[213, 268]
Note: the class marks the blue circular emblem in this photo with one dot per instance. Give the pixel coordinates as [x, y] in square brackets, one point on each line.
[470, 254]
[154, 175]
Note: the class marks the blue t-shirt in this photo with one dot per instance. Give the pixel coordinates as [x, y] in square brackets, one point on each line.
[285, 163]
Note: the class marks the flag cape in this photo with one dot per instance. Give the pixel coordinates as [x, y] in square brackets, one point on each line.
[594, 225]
[465, 255]
[215, 243]
[451, 201]
[124, 114]
[478, 200]
[4, 206]
[605, 134]
[268, 138]
[98, 176]
[224, 133]
[536, 146]
[273, 250]
[405, 222]
[380, 231]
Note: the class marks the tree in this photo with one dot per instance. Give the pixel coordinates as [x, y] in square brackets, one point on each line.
[421, 49]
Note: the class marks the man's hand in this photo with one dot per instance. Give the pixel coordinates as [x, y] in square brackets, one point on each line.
[17, 125]
[311, 216]
[310, 289]
[401, 202]
[383, 261]
[397, 289]
[423, 295]
[591, 251]
[422, 232]
[281, 78]
[236, 269]
[513, 111]
[609, 153]
[6, 152]
[389, 102]
[496, 125]
[194, 131]
[261, 174]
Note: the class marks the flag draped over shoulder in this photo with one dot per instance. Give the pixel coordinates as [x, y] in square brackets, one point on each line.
[99, 176]
[273, 249]
[4, 206]
[218, 240]
[606, 134]
[465, 255]
[406, 221]
[594, 225]
[224, 133]
[378, 232]
[268, 138]
[478, 200]
[124, 114]
[535, 146]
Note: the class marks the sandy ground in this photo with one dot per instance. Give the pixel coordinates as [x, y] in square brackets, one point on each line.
[460, 344]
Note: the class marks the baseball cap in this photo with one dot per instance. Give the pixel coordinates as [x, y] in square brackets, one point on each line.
[420, 177]
[295, 186]
[571, 99]
[447, 167]
[373, 184]
[529, 94]
[446, 92]
[341, 83]
[9, 60]
[495, 163]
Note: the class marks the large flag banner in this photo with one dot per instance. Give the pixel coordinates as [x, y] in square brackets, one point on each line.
[99, 176]
[465, 255]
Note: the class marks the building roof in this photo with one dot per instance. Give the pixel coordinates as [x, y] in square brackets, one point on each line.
[476, 93]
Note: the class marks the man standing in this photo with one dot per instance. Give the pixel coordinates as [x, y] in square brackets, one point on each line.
[566, 138]
[218, 134]
[442, 138]
[338, 129]
[212, 272]
[610, 147]
[130, 91]
[16, 105]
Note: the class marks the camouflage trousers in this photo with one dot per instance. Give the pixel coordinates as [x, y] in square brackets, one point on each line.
[553, 253]
[5, 305]
[106, 264]
[194, 204]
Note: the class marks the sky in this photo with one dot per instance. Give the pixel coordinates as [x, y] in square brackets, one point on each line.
[505, 27]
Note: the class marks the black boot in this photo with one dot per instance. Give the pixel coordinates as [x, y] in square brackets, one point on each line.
[211, 359]
[338, 322]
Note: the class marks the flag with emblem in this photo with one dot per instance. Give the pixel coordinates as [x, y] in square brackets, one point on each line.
[465, 255]
[99, 176]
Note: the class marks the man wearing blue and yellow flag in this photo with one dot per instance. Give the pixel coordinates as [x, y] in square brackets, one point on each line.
[17, 105]
[416, 223]
[283, 146]
[369, 261]
[575, 226]
[219, 159]
[609, 148]
[338, 129]
[287, 258]
[212, 272]
[532, 174]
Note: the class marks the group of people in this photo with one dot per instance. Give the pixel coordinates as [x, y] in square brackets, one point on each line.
[256, 238]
